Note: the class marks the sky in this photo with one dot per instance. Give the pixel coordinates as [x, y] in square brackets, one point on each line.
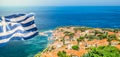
[59, 2]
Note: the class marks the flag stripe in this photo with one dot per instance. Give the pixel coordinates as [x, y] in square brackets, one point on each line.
[10, 27]
[11, 32]
[14, 16]
[8, 35]
[33, 35]
[28, 20]
[25, 18]
[18, 26]
[28, 24]
[24, 37]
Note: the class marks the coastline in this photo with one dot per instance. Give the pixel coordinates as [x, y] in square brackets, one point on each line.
[46, 34]
[40, 53]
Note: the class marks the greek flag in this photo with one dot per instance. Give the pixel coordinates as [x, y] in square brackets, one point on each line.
[17, 26]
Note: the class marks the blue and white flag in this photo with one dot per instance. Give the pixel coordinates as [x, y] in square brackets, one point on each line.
[17, 26]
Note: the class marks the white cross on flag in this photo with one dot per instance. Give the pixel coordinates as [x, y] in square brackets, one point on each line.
[17, 26]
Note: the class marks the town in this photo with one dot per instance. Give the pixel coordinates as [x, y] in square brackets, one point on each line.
[71, 41]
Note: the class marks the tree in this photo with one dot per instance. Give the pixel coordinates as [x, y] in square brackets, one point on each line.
[75, 47]
[116, 30]
[76, 29]
[103, 51]
[110, 38]
[102, 36]
[62, 54]
[66, 34]
[91, 37]
[71, 35]
[98, 32]
[82, 29]
[63, 40]
[80, 39]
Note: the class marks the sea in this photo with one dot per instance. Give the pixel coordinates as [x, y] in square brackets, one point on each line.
[50, 17]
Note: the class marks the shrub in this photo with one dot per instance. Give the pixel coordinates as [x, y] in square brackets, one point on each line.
[62, 54]
[103, 51]
[75, 47]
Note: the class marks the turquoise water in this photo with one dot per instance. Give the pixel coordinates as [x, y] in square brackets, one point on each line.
[48, 18]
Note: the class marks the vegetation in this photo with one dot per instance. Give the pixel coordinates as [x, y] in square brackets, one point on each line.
[87, 36]
[76, 29]
[82, 29]
[66, 34]
[63, 40]
[97, 32]
[62, 54]
[103, 51]
[110, 38]
[71, 35]
[116, 30]
[40, 53]
[107, 29]
[90, 37]
[75, 47]
[80, 39]
[102, 36]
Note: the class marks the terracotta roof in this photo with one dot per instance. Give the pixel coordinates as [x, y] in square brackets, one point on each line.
[118, 46]
[67, 37]
[110, 33]
[114, 41]
[77, 53]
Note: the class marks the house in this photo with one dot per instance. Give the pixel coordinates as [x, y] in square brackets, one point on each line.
[118, 35]
[114, 42]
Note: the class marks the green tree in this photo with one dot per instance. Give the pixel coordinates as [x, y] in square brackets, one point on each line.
[62, 54]
[102, 36]
[116, 30]
[82, 29]
[63, 40]
[75, 47]
[80, 39]
[76, 29]
[110, 38]
[66, 34]
[98, 32]
[103, 51]
[71, 35]
[91, 37]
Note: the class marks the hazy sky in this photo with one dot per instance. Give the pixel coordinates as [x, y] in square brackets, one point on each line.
[59, 2]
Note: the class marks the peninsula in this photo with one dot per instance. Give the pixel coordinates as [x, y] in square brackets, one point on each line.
[74, 41]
